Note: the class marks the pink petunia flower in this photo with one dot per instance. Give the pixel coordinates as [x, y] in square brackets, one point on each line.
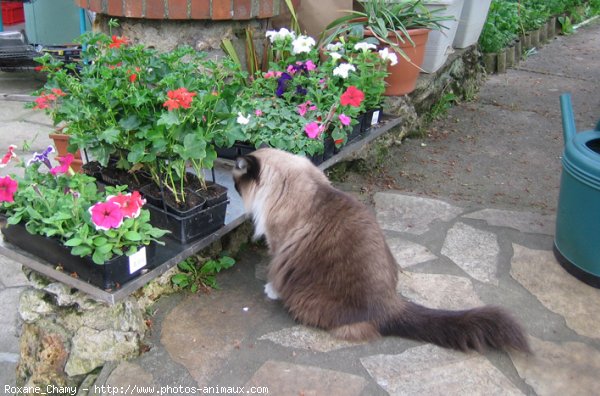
[130, 204]
[258, 112]
[312, 130]
[344, 119]
[8, 187]
[106, 215]
[310, 66]
[65, 164]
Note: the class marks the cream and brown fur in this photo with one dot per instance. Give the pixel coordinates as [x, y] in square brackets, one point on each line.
[332, 268]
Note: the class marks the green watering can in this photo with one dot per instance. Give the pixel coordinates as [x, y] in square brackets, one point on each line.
[577, 240]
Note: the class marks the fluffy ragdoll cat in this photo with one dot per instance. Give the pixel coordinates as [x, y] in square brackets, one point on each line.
[332, 268]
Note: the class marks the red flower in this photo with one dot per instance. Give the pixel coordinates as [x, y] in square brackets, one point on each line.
[41, 102]
[180, 97]
[8, 187]
[38, 68]
[352, 97]
[130, 204]
[58, 92]
[132, 77]
[118, 41]
[10, 154]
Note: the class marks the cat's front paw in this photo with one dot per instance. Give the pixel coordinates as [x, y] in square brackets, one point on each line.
[270, 292]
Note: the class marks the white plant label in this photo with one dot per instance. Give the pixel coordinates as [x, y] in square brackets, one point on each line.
[137, 260]
[375, 118]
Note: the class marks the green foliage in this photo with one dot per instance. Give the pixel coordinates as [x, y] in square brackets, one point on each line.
[501, 26]
[116, 103]
[441, 107]
[57, 207]
[192, 274]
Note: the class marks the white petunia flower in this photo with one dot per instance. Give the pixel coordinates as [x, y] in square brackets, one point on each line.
[364, 46]
[386, 55]
[343, 70]
[334, 47]
[282, 34]
[335, 56]
[302, 44]
[243, 119]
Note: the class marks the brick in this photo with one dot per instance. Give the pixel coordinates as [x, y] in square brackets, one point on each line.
[96, 6]
[115, 8]
[155, 9]
[133, 8]
[265, 8]
[242, 9]
[221, 9]
[200, 9]
[178, 9]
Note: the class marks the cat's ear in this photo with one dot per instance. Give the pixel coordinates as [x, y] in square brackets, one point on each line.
[241, 165]
[246, 166]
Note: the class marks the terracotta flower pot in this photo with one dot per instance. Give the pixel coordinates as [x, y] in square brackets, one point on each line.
[61, 142]
[403, 76]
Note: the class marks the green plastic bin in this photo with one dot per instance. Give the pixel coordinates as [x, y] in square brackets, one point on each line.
[577, 240]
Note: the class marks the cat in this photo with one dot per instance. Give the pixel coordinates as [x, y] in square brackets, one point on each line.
[332, 268]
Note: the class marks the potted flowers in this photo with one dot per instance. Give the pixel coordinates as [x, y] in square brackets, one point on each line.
[139, 111]
[306, 103]
[102, 237]
[402, 26]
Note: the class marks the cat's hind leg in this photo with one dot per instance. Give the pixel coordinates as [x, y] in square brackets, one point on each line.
[360, 331]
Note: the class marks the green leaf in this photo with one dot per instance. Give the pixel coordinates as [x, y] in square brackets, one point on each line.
[110, 135]
[130, 123]
[185, 266]
[81, 251]
[181, 280]
[99, 241]
[104, 249]
[168, 119]
[73, 242]
[133, 236]
[99, 257]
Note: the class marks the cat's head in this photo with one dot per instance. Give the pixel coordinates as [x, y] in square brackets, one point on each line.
[267, 170]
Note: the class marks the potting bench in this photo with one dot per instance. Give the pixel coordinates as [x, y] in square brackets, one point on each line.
[172, 253]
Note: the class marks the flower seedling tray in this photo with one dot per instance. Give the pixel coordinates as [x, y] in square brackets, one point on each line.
[107, 276]
[174, 252]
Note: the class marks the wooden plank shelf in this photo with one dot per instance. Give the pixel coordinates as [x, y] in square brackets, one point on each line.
[173, 252]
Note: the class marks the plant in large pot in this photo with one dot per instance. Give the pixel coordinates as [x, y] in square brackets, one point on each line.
[403, 26]
[102, 237]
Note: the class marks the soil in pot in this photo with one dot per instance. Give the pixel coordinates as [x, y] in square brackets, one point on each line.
[117, 177]
[192, 202]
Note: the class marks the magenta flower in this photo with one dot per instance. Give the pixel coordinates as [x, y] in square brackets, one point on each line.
[8, 187]
[258, 112]
[310, 66]
[65, 165]
[312, 130]
[106, 215]
[130, 204]
[304, 107]
[344, 119]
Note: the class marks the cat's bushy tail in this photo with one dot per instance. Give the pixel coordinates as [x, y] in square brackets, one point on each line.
[478, 328]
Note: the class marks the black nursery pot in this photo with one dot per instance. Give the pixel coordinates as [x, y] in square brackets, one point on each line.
[152, 194]
[185, 229]
[109, 275]
[237, 150]
[370, 118]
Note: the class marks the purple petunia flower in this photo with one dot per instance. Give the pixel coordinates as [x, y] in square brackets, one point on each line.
[43, 157]
[282, 84]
